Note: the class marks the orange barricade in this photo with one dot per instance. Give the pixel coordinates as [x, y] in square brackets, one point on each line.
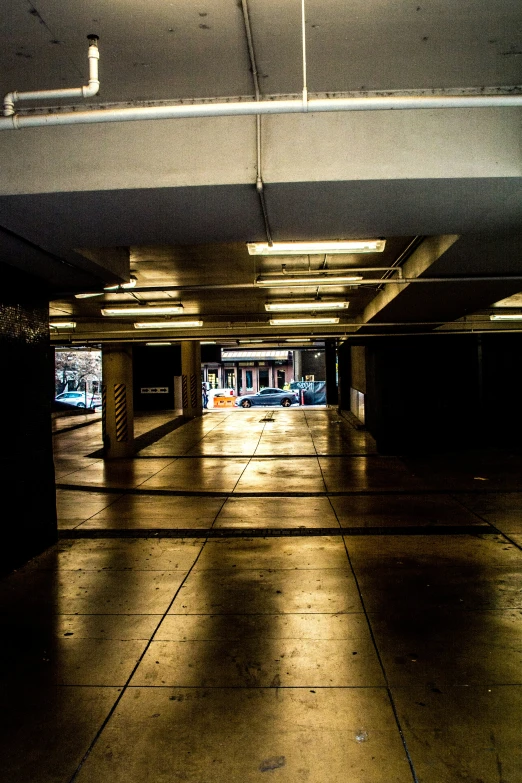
[224, 402]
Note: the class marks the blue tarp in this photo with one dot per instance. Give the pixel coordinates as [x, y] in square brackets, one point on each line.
[314, 392]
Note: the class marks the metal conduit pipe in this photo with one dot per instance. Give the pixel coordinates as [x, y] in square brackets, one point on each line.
[87, 91]
[260, 185]
[378, 281]
[250, 108]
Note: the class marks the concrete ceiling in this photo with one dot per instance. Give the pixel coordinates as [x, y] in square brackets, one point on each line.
[177, 199]
[182, 49]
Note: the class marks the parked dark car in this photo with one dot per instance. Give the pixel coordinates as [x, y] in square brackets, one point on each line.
[269, 397]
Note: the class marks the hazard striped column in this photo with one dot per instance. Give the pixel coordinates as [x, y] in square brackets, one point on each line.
[191, 387]
[117, 401]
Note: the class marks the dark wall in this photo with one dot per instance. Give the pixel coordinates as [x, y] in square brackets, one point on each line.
[155, 367]
[500, 389]
[210, 354]
[26, 461]
[345, 375]
[358, 359]
[313, 363]
[438, 392]
[423, 393]
[330, 357]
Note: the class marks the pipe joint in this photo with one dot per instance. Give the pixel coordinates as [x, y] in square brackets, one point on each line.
[9, 104]
[91, 89]
[87, 91]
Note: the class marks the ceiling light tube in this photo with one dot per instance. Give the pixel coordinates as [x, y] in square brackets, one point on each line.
[88, 296]
[510, 317]
[302, 321]
[143, 310]
[295, 280]
[154, 345]
[131, 284]
[62, 324]
[310, 248]
[166, 324]
[318, 304]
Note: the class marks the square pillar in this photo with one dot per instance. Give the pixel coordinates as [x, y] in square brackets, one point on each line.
[117, 401]
[191, 395]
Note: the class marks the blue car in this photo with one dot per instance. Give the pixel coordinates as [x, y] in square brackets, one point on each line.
[269, 397]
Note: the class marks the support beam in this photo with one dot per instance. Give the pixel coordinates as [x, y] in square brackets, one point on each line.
[422, 259]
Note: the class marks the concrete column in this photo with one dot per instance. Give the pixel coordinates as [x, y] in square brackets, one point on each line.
[191, 379]
[297, 365]
[118, 408]
[330, 357]
[345, 375]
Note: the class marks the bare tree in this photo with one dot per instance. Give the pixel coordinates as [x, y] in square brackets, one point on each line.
[75, 369]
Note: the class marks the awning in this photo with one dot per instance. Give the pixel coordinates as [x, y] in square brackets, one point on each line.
[245, 356]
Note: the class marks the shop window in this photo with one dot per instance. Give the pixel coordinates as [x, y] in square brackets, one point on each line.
[230, 379]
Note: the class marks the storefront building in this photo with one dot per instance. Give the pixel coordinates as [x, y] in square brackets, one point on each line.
[250, 371]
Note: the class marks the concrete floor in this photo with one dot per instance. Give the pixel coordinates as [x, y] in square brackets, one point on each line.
[259, 596]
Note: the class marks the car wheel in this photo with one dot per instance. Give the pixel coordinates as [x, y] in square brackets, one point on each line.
[246, 404]
[286, 402]
[80, 405]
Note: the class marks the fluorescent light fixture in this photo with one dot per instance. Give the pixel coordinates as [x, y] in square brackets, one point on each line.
[132, 282]
[143, 310]
[309, 248]
[250, 341]
[208, 342]
[87, 296]
[302, 321]
[155, 344]
[120, 287]
[317, 304]
[166, 324]
[298, 340]
[289, 281]
[62, 324]
[510, 317]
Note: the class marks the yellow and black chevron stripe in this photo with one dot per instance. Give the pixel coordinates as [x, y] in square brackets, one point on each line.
[194, 391]
[120, 411]
[104, 412]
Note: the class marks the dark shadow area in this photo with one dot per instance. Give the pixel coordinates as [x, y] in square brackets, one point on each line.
[26, 461]
[150, 437]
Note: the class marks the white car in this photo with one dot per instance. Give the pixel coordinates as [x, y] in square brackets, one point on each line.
[211, 393]
[78, 398]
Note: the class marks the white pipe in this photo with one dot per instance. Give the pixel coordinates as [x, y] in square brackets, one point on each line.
[303, 36]
[260, 185]
[249, 108]
[229, 108]
[87, 91]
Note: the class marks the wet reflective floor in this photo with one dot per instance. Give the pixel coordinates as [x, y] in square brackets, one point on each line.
[261, 596]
